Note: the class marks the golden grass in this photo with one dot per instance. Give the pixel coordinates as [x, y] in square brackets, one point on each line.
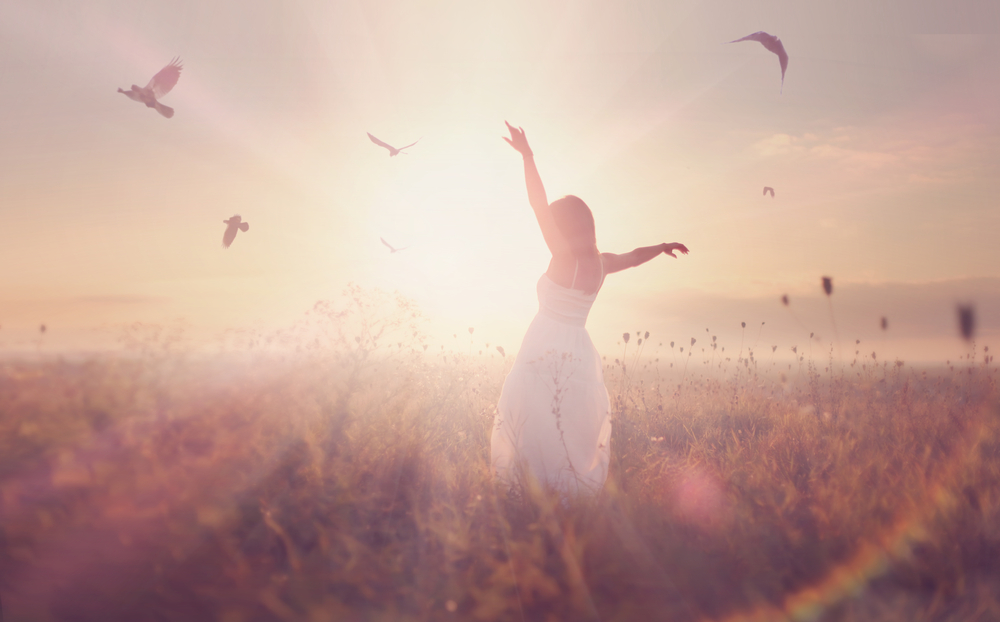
[349, 481]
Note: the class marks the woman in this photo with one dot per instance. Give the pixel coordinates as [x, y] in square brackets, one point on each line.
[553, 421]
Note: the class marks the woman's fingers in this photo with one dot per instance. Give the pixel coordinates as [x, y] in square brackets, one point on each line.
[675, 247]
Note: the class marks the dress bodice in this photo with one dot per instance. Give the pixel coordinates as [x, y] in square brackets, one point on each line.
[569, 306]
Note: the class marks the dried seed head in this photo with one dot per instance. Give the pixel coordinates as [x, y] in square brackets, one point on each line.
[502, 353]
[967, 321]
[885, 323]
[784, 300]
[743, 324]
[671, 344]
[625, 336]
[646, 336]
[693, 340]
[471, 330]
[827, 285]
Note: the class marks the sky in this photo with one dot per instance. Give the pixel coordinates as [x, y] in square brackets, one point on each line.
[882, 147]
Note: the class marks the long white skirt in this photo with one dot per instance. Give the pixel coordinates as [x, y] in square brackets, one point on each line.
[553, 419]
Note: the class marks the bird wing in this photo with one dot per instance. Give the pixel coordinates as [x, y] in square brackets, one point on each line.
[769, 189]
[389, 246]
[410, 145]
[759, 36]
[229, 235]
[165, 79]
[782, 58]
[379, 142]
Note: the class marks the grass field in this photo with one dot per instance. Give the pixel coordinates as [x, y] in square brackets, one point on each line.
[340, 471]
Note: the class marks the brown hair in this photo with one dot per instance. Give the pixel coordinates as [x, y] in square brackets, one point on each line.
[576, 223]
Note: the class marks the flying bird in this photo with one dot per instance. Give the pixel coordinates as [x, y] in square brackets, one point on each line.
[771, 44]
[769, 189]
[392, 150]
[391, 248]
[160, 85]
[232, 225]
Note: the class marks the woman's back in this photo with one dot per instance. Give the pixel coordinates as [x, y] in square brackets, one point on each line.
[585, 274]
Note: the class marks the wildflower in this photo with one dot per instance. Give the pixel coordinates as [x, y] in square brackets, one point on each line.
[966, 321]
[471, 330]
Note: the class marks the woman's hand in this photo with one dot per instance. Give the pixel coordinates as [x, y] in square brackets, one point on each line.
[668, 249]
[517, 140]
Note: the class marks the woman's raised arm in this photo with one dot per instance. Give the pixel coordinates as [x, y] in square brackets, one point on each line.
[536, 192]
[617, 263]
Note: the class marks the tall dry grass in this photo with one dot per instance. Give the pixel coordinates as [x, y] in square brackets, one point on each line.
[340, 471]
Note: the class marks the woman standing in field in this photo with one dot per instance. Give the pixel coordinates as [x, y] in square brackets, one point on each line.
[553, 421]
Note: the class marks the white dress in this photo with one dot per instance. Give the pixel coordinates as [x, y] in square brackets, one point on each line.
[553, 419]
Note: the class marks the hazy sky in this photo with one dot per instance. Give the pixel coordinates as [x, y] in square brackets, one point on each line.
[882, 150]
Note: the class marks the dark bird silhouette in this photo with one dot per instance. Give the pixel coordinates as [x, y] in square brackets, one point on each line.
[232, 224]
[392, 150]
[769, 189]
[771, 44]
[160, 85]
[391, 248]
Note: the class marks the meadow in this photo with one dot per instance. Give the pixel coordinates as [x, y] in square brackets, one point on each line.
[339, 470]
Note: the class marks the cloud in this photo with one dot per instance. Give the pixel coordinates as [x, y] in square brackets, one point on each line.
[926, 146]
[117, 300]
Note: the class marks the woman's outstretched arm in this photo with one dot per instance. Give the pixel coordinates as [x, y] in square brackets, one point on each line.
[617, 263]
[536, 192]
